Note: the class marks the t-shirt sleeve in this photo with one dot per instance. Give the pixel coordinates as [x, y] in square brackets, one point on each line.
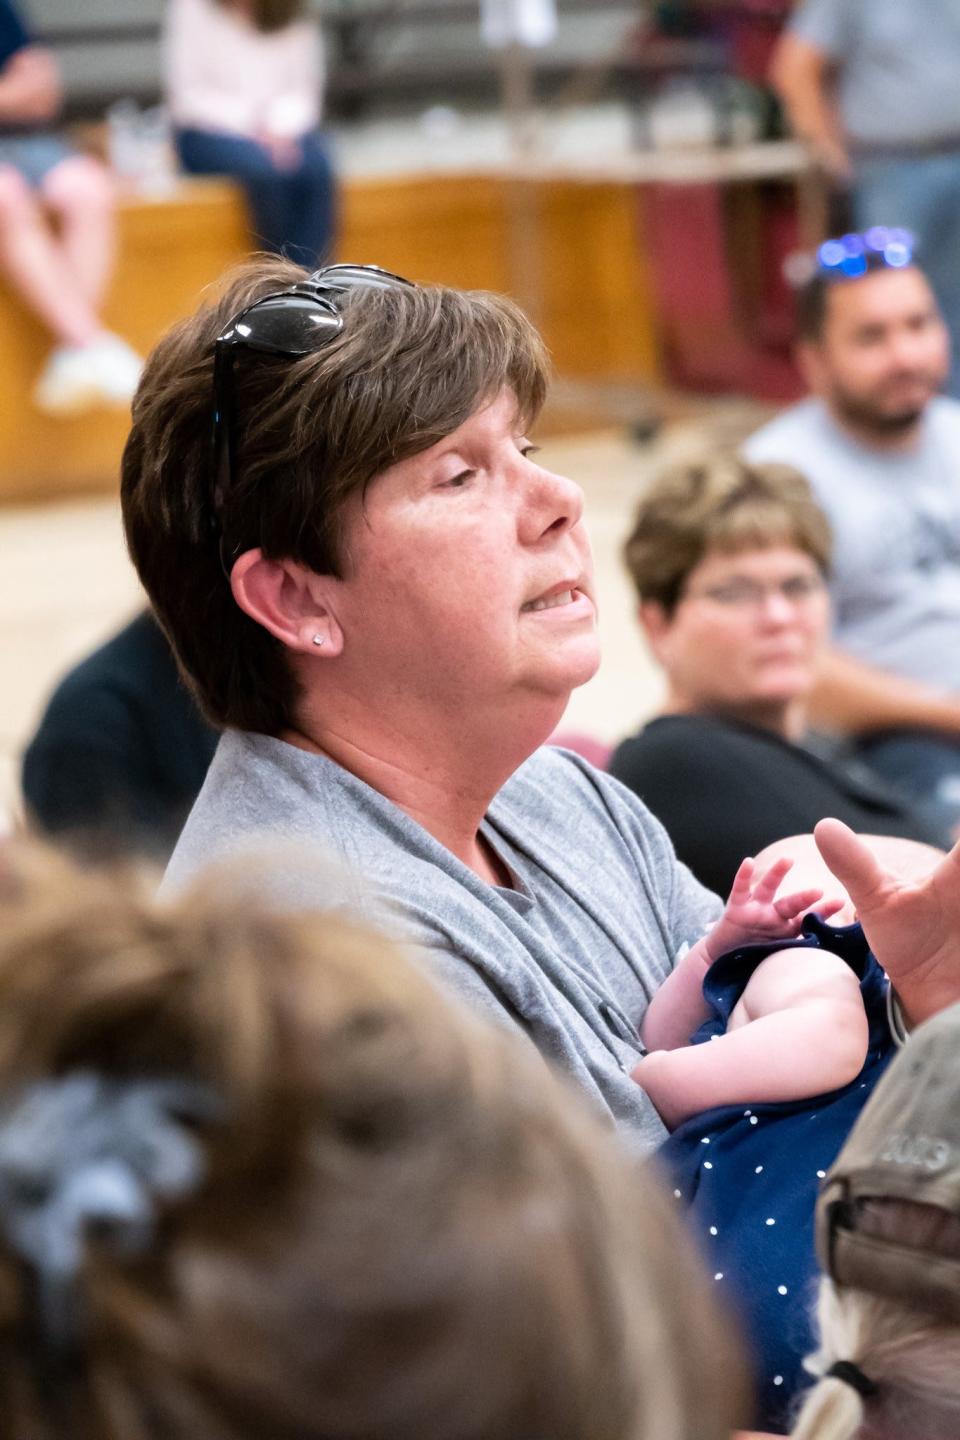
[825, 24]
[693, 909]
[683, 905]
[14, 35]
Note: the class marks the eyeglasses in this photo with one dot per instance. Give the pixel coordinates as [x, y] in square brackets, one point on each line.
[743, 594]
[288, 323]
[851, 255]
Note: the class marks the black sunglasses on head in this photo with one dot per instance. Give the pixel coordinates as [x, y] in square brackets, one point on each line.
[288, 323]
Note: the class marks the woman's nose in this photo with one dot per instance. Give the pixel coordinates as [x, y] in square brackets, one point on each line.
[552, 503]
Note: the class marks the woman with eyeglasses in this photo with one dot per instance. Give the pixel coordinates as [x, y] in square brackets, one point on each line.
[730, 563]
[244, 82]
[761, 1080]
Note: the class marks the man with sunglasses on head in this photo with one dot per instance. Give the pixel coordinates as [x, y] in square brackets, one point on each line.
[881, 449]
[871, 87]
[384, 600]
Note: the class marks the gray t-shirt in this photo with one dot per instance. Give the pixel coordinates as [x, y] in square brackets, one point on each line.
[571, 955]
[895, 518]
[898, 62]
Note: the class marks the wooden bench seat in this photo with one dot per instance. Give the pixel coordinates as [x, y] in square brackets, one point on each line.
[587, 289]
[168, 250]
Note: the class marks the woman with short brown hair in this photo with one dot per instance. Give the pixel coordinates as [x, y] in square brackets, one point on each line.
[730, 562]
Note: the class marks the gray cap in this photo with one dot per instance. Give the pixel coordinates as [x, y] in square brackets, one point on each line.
[905, 1146]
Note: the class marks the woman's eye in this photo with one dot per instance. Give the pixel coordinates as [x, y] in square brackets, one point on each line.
[457, 482]
[528, 450]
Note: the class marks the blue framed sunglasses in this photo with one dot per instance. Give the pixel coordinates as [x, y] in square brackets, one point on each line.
[848, 256]
[287, 323]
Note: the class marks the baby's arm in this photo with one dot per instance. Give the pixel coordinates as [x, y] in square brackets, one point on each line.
[752, 912]
[800, 1029]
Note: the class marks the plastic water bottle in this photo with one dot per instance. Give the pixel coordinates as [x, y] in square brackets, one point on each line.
[123, 129]
[140, 147]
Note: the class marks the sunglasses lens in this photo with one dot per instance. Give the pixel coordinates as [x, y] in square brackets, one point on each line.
[337, 278]
[290, 323]
[285, 325]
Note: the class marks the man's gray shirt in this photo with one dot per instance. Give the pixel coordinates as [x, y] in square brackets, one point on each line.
[895, 517]
[571, 955]
[897, 61]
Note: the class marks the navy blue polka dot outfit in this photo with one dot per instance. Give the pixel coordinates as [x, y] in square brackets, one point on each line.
[749, 1175]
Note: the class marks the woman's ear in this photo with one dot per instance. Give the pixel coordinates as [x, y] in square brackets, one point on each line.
[289, 600]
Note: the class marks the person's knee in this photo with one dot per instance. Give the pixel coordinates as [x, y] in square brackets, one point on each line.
[17, 200]
[316, 161]
[80, 185]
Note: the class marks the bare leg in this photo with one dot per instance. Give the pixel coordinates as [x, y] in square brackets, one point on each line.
[803, 1031]
[32, 260]
[81, 194]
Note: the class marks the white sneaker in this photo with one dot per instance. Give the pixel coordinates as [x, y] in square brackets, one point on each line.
[116, 368]
[78, 377]
[67, 383]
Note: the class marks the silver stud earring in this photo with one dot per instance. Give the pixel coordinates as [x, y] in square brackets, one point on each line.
[319, 639]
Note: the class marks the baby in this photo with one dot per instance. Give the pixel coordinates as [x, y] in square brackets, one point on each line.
[760, 1112]
[799, 1028]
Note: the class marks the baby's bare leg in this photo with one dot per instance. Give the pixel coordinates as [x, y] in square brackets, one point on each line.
[799, 1030]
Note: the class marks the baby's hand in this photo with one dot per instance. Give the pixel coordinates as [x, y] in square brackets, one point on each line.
[752, 913]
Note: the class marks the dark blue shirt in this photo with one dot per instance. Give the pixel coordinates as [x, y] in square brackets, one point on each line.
[121, 751]
[14, 35]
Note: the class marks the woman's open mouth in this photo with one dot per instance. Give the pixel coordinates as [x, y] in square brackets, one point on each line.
[549, 602]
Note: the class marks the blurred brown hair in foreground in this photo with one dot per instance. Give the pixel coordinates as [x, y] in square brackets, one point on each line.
[406, 1228]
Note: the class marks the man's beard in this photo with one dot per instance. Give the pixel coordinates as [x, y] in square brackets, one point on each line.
[866, 414]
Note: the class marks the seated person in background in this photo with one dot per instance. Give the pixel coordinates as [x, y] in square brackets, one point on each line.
[888, 1238]
[244, 83]
[61, 272]
[730, 561]
[881, 450]
[121, 751]
[260, 1181]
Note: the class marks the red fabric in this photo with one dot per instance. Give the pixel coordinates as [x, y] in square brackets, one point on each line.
[701, 347]
[708, 343]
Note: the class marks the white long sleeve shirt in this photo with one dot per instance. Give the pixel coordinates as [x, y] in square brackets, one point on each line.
[224, 75]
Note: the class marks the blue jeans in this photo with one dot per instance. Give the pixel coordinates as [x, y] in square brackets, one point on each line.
[292, 211]
[922, 193]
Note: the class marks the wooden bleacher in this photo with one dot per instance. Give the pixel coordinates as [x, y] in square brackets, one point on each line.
[591, 294]
[168, 250]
